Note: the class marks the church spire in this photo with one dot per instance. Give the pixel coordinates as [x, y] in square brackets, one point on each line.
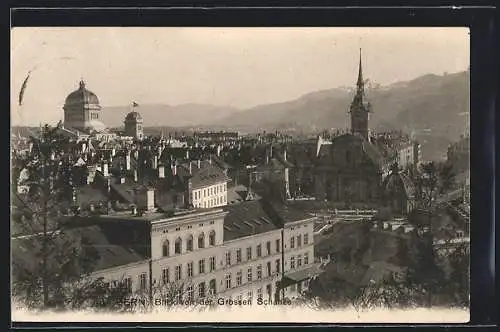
[360, 84]
[359, 108]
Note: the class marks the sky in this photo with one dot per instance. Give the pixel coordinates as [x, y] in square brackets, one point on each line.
[238, 67]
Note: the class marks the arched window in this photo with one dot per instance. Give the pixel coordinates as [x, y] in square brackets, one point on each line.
[189, 245]
[211, 238]
[166, 248]
[201, 240]
[178, 246]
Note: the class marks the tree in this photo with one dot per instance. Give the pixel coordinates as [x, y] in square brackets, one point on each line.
[59, 257]
[458, 283]
[424, 274]
[432, 181]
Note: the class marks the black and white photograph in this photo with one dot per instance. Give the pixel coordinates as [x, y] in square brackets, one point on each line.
[240, 174]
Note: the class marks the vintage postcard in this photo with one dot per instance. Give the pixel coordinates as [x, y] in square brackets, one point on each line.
[240, 174]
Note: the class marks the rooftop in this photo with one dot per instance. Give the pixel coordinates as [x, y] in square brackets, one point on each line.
[108, 255]
[247, 219]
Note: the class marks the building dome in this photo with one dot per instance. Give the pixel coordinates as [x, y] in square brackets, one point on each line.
[133, 116]
[397, 182]
[82, 96]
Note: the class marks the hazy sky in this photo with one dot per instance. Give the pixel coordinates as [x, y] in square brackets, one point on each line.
[240, 67]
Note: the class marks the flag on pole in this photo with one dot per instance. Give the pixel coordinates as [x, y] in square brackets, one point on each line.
[23, 87]
[134, 104]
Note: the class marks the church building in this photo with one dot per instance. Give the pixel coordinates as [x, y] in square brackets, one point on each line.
[349, 171]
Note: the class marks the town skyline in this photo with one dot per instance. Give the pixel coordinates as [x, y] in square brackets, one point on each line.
[217, 68]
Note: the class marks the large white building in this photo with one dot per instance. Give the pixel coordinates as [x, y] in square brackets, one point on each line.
[240, 252]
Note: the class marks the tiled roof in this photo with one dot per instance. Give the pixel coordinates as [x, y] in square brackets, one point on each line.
[207, 174]
[284, 213]
[90, 194]
[372, 152]
[246, 219]
[237, 194]
[108, 255]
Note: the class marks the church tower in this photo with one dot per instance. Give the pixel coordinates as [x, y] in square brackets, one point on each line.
[360, 109]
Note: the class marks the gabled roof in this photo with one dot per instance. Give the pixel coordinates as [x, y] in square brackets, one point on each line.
[348, 139]
[207, 174]
[108, 255]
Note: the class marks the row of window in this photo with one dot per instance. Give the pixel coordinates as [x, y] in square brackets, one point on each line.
[249, 252]
[217, 201]
[212, 287]
[207, 192]
[177, 229]
[299, 240]
[202, 291]
[298, 260]
[178, 245]
[178, 272]
[249, 278]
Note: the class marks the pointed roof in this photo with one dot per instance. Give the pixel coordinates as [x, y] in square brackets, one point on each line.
[358, 101]
[360, 82]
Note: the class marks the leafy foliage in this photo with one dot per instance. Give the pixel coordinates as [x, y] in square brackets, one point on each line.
[58, 257]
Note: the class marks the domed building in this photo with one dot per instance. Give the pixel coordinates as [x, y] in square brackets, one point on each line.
[133, 125]
[82, 111]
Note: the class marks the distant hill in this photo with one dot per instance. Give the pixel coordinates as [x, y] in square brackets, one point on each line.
[428, 104]
[184, 115]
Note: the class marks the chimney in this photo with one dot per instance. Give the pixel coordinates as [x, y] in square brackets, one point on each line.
[135, 175]
[199, 163]
[161, 172]
[109, 187]
[146, 199]
[127, 161]
[287, 183]
[105, 169]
